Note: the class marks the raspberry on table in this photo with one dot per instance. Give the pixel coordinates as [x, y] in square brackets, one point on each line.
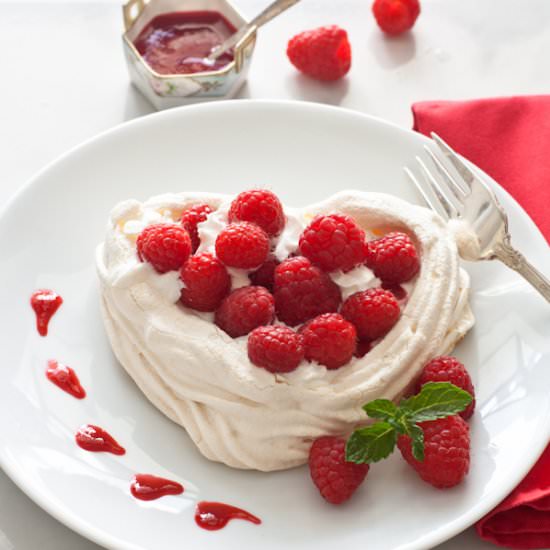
[395, 16]
[330, 340]
[449, 369]
[303, 291]
[323, 53]
[373, 312]
[265, 274]
[206, 281]
[393, 258]
[276, 348]
[333, 242]
[191, 218]
[165, 246]
[243, 245]
[245, 309]
[261, 207]
[446, 451]
[335, 478]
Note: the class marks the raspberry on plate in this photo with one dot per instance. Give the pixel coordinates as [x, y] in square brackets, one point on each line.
[373, 312]
[323, 53]
[395, 16]
[265, 274]
[446, 451]
[449, 369]
[333, 242]
[276, 348]
[166, 247]
[243, 245]
[191, 218]
[245, 309]
[261, 207]
[335, 478]
[393, 258]
[206, 282]
[330, 340]
[303, 291]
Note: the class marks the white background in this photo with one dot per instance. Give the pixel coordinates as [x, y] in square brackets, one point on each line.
[63, 79]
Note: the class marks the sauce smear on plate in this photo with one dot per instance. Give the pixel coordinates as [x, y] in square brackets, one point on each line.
[149, 487]
[216, 515]
[65, 378]
[97, 440]
[44, 303]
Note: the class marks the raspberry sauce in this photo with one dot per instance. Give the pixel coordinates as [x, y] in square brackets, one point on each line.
[216, 515]
[65, 378]
[149, 487]
[97, 440]
[44, 303]
[178, 42]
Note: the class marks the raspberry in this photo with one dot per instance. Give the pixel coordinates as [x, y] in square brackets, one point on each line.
[397, 290]
[330, 340]
[395, 16]
[189, 220]
[449, 369]
[335, 478]
[373, 312]
[265, 274]
[206, 282]
[323, 53]
[393, 258]
[363, 347]
[261, 207]
[303, 291]
[166, 247]
[245, 309]
[446, 451]
[275, 348]
[333, 242]
[243, 245]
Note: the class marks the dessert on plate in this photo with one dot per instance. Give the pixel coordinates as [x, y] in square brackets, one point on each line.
[260, 328]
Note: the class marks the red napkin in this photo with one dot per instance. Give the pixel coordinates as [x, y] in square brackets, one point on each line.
[509, 138]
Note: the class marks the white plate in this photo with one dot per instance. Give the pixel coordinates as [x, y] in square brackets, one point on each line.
[305, 152]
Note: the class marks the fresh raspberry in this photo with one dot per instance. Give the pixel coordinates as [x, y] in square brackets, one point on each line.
[363, 347]
[449, 369]
[335, 478]
[373, 312]
[393, 258]
[243, 245]
[265, 274]
[166, 247]
[275, 348]
[446, 451]
[245, 309]
[303, 291]
[333, 242]
[323, 53]
[395, 16]
[261, 207]
[397, 290]
[330, 340]
[189, 220]
[206, 282]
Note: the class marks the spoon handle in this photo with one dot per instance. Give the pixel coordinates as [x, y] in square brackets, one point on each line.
[273, 10]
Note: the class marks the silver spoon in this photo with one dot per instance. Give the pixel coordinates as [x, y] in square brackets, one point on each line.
[273, 10]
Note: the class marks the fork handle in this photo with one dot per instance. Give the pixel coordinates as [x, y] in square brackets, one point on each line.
[508, 255]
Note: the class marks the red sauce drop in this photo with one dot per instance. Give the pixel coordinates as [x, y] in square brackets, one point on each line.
[216, 515]
[97, 440]
[149, 487]
[178, 42]
[45, 303]
[65, 378]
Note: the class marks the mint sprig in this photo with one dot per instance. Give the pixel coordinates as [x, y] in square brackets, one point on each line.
[377, 441]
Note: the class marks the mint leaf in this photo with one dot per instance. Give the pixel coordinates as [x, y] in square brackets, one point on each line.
[435, 400]
[417, 436]
[381, 408]
[371, 444]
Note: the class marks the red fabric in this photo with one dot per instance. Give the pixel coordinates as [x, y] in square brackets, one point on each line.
[509, 138]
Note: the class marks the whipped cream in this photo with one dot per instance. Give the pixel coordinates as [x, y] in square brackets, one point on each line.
[235, 412]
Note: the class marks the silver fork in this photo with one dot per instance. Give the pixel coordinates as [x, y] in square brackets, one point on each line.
[456, 192]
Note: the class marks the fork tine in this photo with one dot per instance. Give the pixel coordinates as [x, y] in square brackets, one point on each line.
[435, 206]
[452, 184]
[438, 190]
[455, 160]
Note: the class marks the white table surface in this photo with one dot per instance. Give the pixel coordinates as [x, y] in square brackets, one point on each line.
[63, 79]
